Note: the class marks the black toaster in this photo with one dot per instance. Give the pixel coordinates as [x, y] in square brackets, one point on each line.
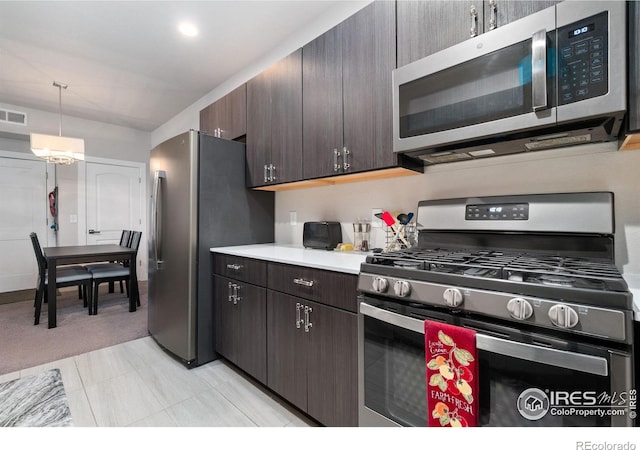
[322, 235]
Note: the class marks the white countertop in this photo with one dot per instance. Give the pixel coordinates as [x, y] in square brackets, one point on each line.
[346, 262]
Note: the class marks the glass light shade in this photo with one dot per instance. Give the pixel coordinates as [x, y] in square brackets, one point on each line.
[57, 149]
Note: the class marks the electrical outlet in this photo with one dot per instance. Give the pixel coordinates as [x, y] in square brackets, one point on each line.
[293, 218]
[376, 222]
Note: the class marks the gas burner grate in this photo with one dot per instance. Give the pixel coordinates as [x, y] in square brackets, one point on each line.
[561, 271]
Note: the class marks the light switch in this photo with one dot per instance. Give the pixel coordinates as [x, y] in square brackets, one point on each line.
[376, 222]
[73, 218]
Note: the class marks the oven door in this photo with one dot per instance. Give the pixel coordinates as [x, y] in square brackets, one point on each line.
[515, 377]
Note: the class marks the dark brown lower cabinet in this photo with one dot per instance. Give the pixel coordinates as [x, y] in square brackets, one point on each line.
[312, 357]
[240, 321]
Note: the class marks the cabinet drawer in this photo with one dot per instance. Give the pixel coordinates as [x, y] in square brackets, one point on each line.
[250, 270]
[324, 286]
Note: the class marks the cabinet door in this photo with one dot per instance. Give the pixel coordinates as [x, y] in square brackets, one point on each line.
[368, 58]
[322, 103]
[258, 127]
[286, 118]
[286, 349]
[225, 319]
[233, 113]
[426, 27]
[251, 330]
[498, 13]
[333, 366]
[209, 119]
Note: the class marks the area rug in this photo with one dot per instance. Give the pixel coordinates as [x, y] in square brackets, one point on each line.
[35, 401]
[23, 345]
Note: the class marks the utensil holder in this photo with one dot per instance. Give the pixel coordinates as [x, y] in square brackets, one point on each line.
[403, 237]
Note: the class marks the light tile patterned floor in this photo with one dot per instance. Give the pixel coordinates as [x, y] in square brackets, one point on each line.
[137, 384]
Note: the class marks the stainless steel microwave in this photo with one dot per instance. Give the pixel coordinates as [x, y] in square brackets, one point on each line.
[552, 79]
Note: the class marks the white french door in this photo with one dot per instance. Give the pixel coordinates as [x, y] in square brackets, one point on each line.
[23, 209]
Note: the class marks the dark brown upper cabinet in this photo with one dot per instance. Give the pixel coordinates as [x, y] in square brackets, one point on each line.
[274, 123]
[426, 27]
[227, 117]
[347, 109]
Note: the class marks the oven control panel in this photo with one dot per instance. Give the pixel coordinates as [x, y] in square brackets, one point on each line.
[503, 211]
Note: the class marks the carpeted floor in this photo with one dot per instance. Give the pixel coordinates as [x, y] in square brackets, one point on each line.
[23, 345]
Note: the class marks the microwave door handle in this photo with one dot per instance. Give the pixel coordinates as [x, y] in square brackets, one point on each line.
[539, 70]
[559, 358]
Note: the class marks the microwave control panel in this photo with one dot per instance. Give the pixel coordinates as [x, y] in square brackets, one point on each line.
[583, 59]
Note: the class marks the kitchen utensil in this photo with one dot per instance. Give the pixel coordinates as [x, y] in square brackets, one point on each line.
[409, 217]
[403, 218]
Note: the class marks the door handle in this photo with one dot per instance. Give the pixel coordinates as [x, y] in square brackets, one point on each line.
[156, 217]
[92, 231]
[539, 70]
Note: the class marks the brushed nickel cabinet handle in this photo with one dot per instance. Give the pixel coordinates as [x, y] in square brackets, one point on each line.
[345, 158]
[307, 322]
[303, 282]
[336, 156]
[473, 12]
[234, 266]
[493, 21]
[298, 320]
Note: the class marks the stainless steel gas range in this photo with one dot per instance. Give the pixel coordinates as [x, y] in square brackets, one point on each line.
[534, 276]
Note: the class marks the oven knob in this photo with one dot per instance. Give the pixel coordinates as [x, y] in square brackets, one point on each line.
[453, 297]
[563, 316]
[402, 288]
[380, 284]
[519, 308]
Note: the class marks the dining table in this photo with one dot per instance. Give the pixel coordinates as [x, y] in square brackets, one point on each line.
[80, 254]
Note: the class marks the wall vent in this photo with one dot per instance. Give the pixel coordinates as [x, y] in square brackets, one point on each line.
[14, 117]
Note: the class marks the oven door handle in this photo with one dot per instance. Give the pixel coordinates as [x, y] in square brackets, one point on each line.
[559, 358]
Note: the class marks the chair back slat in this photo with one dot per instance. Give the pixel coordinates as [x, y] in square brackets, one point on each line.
[42, 262]
[135, 240]
[125, 238]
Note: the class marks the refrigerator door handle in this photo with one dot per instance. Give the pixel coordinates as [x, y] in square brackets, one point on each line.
[156, 217]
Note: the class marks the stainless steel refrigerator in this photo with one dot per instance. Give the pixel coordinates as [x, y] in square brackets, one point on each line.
[198, 201]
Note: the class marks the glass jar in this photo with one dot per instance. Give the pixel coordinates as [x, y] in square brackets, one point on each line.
[361, 235]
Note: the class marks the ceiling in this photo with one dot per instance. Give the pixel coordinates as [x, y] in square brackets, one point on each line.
[125, 62]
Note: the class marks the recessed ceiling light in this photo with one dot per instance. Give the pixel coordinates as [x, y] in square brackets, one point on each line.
[188, 29]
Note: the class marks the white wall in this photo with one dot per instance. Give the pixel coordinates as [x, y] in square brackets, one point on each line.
[590, 168]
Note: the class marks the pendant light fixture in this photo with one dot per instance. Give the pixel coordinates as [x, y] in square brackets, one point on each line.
[58, 149]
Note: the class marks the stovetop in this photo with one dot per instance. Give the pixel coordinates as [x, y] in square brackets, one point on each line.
[562, 271]
[581, 280]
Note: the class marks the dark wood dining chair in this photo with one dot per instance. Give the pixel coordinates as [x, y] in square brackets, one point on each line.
[114, 272]
[64, 277]
[125, 239]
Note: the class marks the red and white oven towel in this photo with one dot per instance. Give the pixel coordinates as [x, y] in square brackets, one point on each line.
[452, 375]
